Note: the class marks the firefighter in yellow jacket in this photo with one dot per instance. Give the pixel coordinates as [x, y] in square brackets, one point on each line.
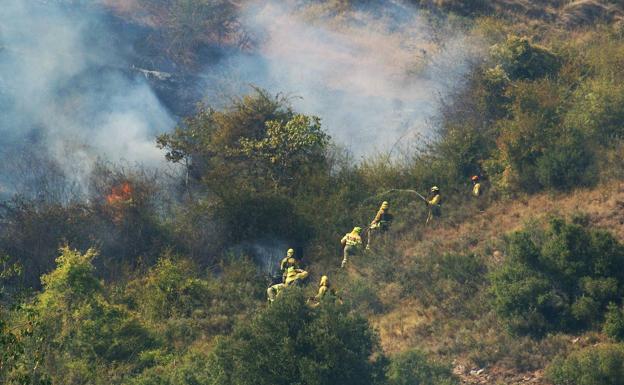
[476, 186]
[351, 244]
[324, 289]
[293, 277]
[434, 204]
[380, 224]
[289, 261]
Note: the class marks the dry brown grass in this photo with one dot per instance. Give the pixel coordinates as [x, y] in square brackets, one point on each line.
[481, 341]
[604, 206]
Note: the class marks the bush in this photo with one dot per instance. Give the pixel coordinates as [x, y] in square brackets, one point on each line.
[566, 163]
[414, 368]
[289, 343]
[597, 365]
[561, 280]
[76, 328]
[187, 305]
[522, 59]
[614, 322]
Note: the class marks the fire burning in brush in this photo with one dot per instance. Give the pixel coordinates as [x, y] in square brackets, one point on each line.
[120, 198]
[121, 194]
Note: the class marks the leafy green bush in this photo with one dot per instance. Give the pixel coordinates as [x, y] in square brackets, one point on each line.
[78, 331]
[597, 365]
[566, 163]
[415, 368]
[289, 342]
[562, 279]
[186, 304]
[522, 59]
[614, 322]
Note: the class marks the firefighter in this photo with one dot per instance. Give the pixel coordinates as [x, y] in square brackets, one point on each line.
[324, 288]
[476, 186]
[274, 290]
[295, 276]
[381, 223]
[434, 204]
[351, 244]
[289, 261]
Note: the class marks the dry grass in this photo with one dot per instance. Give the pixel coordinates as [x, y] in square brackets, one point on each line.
[483, 232]
[479, 340]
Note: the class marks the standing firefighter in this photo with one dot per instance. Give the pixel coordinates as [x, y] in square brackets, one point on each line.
[351, 244]
[476, 186]
[381, 223]
[289, 261]
[434, 204]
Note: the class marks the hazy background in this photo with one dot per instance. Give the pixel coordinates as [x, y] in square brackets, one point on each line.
[74, 88]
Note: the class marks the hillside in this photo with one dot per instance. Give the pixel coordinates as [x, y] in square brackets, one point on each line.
[187, 188]
[476, 338]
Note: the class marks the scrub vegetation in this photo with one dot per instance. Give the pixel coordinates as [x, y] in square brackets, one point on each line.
[161, 279]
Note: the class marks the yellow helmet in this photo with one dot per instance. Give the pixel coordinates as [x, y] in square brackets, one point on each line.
[435, 189]
[290, 252]
[385, 205]
[324, 281]
[357, 230]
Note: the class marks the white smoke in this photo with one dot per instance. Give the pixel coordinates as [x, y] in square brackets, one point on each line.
[64, 90]
[375, 76]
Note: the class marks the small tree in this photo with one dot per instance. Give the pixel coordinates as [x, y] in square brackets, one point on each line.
[78, 334]
[289, 150]
[291, 343]
[559, 280]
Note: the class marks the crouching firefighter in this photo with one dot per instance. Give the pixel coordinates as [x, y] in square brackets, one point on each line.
[294, 277]
[324, 291]
[351, 244]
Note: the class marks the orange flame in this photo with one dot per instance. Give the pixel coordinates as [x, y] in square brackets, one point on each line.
[120, 194]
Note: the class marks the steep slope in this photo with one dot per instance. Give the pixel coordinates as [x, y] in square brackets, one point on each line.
[467, 332]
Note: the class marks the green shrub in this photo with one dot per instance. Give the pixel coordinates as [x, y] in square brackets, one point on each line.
[415, 368]
[614, 322]
[187, 305]
[362, 295]
[599, 109]
[597, 365]
[566, 163]
[81, 334]
[522, 59]
[289, 343]
[560, 280]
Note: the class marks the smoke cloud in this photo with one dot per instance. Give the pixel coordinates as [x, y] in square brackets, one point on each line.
[70, 92]
[66, 95]
[375, 75]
